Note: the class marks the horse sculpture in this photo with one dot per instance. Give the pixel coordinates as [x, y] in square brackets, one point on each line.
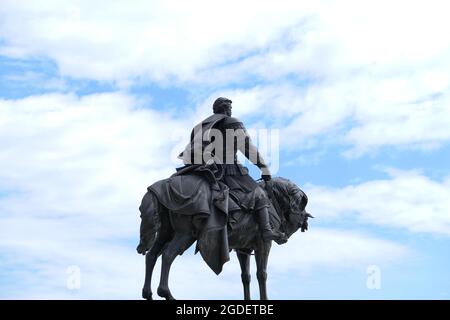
[169, 234]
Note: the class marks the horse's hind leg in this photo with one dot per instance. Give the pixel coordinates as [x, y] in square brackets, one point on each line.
[150, 261]
[165, 234]
[244, 261]
[178, 245]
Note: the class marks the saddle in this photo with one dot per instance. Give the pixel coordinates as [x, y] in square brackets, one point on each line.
[191, 179]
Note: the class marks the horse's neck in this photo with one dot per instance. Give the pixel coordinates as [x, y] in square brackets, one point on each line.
[282, 200]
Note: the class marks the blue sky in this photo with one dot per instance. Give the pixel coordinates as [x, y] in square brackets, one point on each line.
[96, 99]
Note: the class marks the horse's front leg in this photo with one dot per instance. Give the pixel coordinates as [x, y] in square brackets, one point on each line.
[262, 257]
[244, 261]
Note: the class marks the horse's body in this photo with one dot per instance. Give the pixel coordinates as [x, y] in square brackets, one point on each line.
[169, 234]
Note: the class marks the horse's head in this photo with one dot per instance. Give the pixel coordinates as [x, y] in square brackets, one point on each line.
[292, 202]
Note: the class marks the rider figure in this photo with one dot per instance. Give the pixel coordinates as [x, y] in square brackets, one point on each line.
[234, 137]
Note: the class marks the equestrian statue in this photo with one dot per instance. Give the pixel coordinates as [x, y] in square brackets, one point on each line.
[213, 201]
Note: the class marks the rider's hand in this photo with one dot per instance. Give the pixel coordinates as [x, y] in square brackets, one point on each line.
[266, 177]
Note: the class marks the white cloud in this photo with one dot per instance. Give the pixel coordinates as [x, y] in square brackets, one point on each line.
[92, 156]
[362, 113]
[341, 38]
[368, 112]
[156, 40]
[339, 249]
[205, 41]
[370, 74]
[408, 200]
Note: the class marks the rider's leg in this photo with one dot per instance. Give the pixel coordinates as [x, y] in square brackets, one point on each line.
[262, 217]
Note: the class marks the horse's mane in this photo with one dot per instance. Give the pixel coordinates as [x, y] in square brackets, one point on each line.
[292, 195]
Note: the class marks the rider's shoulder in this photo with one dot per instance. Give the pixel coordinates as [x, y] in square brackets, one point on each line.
[232, 122]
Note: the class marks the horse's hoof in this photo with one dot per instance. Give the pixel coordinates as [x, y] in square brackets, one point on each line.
[147, 295]
[165, 293]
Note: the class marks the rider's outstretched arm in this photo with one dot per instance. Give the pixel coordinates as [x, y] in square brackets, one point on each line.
[250, 151]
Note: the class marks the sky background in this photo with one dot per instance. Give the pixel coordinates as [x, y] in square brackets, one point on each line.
[97, 98]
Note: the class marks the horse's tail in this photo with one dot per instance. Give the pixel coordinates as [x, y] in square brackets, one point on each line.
[150, 222]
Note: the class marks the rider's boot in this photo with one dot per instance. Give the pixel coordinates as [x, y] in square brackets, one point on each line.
[262, 217]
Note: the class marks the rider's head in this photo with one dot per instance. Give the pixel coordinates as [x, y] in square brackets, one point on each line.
[222, 105]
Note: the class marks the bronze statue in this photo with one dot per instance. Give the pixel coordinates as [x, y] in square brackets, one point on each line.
[213, 200]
